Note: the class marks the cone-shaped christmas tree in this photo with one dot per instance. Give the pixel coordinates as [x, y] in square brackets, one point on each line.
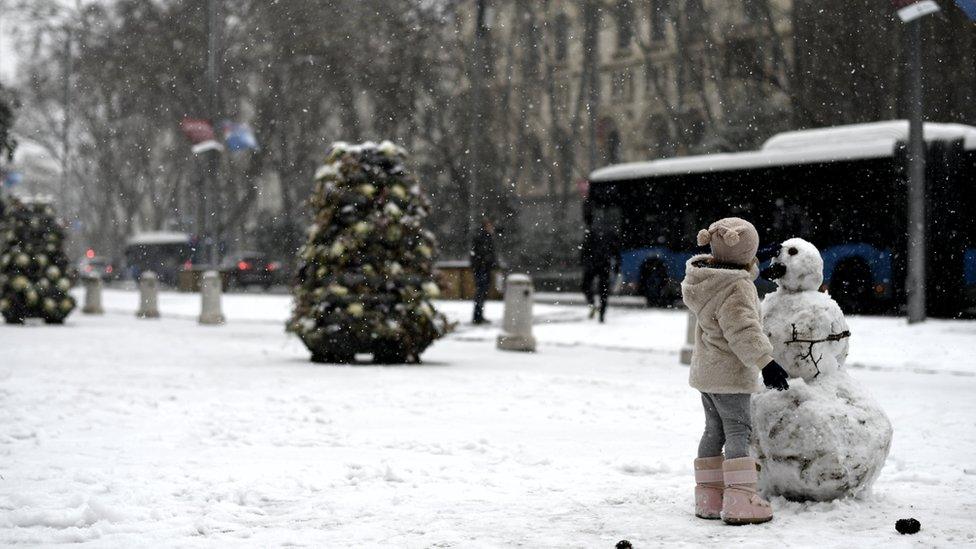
[34, 274]
[364, 281]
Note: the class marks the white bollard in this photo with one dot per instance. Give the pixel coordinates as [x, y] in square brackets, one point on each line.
[517, 326]
[93, 296]
[210, 288]
[689, 346]
[148, 295]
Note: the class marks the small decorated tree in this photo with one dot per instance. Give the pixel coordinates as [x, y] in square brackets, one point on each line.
[364, 282]
[34, 272]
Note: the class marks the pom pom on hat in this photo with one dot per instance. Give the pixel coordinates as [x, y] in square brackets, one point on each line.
[704, 237]
[732, 239]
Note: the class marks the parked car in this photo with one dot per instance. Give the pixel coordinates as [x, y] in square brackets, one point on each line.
[98, 267]
[250, 268]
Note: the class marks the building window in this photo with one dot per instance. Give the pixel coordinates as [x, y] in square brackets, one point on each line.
[742, 59]
[659, 19]
[561, 95]
[537, 164]
[622, 86]
[695, 19]
[613, 147]
[652, 80]
[623, 12]
[531, 59]
[753, 10]
[692, 126]
[658, 136]
[690, 77]
[562, 37]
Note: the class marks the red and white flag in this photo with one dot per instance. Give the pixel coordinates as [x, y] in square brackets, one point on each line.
[200, 132]
[197, 130]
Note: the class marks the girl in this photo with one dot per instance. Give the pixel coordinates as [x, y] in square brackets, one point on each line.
[730, 351]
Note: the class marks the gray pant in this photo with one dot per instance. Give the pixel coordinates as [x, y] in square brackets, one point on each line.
[727, 423]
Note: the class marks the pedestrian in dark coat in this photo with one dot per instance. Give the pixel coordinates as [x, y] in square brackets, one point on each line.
[484, 259]
[599, 256]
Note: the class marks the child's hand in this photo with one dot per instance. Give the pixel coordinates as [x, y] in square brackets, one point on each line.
[774, 376]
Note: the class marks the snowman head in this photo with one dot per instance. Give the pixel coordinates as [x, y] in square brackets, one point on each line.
[797, 267]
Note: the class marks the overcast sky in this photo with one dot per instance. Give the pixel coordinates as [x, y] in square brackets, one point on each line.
[8, 57]
[7, 61]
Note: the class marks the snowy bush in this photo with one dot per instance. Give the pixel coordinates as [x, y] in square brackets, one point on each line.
[34, 272]
[365, 276]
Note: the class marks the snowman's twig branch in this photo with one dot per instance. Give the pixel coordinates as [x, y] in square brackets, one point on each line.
[812, 342]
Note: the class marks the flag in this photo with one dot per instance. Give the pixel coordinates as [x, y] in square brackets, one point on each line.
[239, 137]
[583, 186]
[201, 133]
[9, 179]
[197, 130]
[208, 145]
[910, 10]
[968, 6]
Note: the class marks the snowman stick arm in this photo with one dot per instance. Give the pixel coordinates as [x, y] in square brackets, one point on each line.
[809, 353]
[831, 337]
[811, 342]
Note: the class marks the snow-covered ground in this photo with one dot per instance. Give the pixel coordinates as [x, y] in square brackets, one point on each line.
[121, 432]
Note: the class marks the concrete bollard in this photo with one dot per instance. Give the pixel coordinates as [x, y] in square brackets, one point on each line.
[148, 295]
[689, 347]
[517, 326]
[93, 296]
[210, 288]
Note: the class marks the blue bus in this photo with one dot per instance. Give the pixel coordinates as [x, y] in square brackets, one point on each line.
[843, 188]
[164, 252]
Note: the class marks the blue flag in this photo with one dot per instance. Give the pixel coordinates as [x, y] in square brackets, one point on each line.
[968, 6]
[9, 179]
[239, 137]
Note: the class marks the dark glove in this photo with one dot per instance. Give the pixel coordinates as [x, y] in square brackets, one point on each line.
[774, 376]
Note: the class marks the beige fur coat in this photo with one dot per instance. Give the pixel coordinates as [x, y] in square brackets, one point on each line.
[730, 345]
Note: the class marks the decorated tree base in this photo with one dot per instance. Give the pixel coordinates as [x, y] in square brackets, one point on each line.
[34, 274]
[365, 277]
[381, 352]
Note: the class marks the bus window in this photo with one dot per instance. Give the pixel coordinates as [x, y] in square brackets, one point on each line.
[790, 219]
[606, 220]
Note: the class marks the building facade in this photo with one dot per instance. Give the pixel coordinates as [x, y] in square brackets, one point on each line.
[575, 85]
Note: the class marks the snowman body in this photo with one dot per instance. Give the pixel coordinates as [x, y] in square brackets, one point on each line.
[824, 437]
[819, 440]
[808, 332]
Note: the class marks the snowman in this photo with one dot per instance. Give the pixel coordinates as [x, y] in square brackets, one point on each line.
[825, 437]
[805, 326]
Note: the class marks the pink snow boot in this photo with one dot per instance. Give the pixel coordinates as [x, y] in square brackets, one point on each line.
[740, 502]
[708, 487]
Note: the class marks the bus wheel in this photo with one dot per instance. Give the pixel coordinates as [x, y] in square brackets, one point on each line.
[851, 286]
[653, 279]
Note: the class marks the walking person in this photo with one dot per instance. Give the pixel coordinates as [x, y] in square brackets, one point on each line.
[484, 259]
[599, 256]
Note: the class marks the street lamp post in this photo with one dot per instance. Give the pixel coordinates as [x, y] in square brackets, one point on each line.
[911, 13]
[66, 123]
[209, 183]
[916, 179]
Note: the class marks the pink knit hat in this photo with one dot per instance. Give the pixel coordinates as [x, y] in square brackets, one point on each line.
[733, 240]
